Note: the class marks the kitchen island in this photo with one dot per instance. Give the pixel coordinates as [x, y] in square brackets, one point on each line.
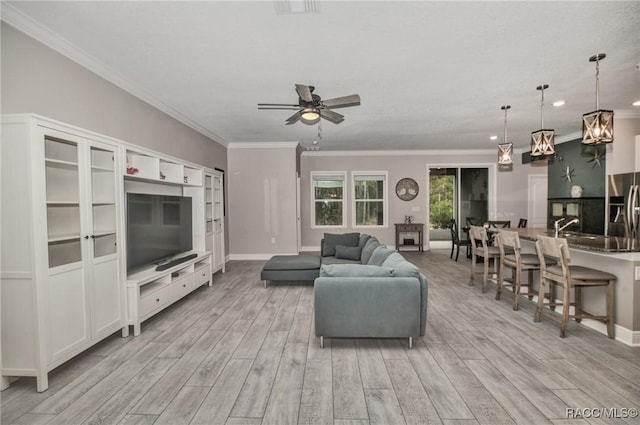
[617, 255]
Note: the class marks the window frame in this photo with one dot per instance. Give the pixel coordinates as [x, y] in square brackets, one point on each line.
[385, 199]
[342, 174]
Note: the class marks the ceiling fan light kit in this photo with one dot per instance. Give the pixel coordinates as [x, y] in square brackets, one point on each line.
[311, 107]
[542, 141]
[505, 150]
[310, 116]
[597, 126]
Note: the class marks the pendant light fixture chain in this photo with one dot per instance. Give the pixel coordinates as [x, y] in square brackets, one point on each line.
[542, 88]
[597, 58]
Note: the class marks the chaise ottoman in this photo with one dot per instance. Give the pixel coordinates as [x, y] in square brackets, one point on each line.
[291, 267]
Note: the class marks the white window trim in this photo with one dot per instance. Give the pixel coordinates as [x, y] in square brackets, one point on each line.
[385, 199]
[344, 198]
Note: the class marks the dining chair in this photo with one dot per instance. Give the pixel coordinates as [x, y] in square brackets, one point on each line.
[511, 256]
[473, 221]
[571, 277]
[522, 223]
[480, 248]
[500, 224]
[456, 242]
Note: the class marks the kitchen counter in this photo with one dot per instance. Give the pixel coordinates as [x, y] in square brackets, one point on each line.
[588, 242]
[617, 255]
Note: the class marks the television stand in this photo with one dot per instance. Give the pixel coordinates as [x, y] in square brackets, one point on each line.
[175, 262]
[152, 290]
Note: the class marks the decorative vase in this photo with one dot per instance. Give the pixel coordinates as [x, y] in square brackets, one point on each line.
[576, 191]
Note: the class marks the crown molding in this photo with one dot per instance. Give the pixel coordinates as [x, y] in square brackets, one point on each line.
[24, 23]
[260, 145]
[402, 152]
[568, 137]
[626, 113]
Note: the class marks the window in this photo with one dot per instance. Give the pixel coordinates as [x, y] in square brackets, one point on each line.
[370, 199]
[328, 199]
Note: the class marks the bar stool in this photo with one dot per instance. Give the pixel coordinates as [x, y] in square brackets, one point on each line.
[569, 277]
[511, 256]
[479, 233]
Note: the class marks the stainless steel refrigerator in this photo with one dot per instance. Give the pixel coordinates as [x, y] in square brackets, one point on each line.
[623, 205]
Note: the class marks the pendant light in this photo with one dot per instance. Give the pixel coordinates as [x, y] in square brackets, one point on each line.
[597, 126]
[542, 141]
[505, 150]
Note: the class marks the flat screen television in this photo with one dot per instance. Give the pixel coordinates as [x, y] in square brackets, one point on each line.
[158, 227]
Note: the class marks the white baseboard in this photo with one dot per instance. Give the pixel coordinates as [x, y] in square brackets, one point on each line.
[236, 257]
[623, 335]
[310, 248]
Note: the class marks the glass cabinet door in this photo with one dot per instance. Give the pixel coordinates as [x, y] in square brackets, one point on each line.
[62, 201]
[103, 201]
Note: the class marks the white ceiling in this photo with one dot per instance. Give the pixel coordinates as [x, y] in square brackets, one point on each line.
[431, 75]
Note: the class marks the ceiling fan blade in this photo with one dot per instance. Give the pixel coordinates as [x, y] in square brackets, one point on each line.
[293, 119]
[329, 115]
[304, 92]
[342, 102]
[288, 108]
[277, 104]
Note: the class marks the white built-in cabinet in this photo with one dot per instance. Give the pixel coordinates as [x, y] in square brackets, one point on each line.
[214, 207]
[63, 280]
[61, 262]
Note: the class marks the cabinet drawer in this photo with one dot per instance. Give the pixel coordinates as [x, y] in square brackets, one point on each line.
[409, 228]
[155, 300]
[202, 275]
[182, 287]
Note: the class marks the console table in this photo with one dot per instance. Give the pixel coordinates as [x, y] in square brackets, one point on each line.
[410, 228]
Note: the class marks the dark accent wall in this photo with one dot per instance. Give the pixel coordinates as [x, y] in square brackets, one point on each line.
[584, 169]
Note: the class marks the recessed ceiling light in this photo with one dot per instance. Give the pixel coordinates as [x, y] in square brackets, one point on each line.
[636, 103]
[493, 138]
[558, 103]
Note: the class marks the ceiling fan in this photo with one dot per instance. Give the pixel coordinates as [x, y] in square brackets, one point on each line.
[311, 107]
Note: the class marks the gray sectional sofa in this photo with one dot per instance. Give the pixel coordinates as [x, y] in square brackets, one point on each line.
[367, 290]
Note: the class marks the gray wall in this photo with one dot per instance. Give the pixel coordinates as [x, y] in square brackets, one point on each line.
[586, 172]
[36, 79]
[510, 202]
[262, 201]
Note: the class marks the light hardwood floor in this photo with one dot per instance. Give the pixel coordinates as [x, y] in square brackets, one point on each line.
[240, 354]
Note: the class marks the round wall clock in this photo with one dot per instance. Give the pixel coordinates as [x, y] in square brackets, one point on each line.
[407, 189]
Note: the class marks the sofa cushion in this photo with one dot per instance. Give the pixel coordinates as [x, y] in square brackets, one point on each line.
[368, 248]
[363, 239]
[348, 252]
[336, 260]
[354, 270]
[379, 255]
[331, 240]
[292, 262]
[401, 267]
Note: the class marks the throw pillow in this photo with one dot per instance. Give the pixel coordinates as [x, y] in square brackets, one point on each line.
[331, 240]
[354, 270]
[368, 249]
[379, 255]
[348, 252]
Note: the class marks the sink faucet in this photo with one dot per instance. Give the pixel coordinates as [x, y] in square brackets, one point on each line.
[558, 229]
